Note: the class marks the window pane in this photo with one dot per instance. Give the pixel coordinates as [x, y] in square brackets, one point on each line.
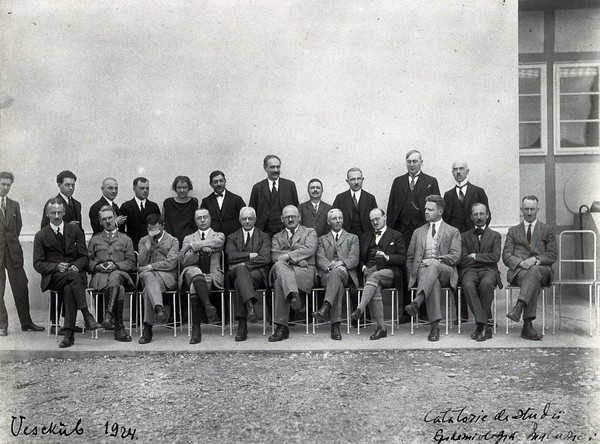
[582, 107]
[529, 80]
[579, 79]
[529, 108]
[579, 134]
[529, 135]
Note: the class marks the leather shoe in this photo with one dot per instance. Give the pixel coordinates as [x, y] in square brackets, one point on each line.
[3, 332]
[322, 315]
[478, 331]
[515, 314]
[61, 331]
[281, 333]
[196, 334]
[335, 332]
[528, 332]
[32, 327]
[434, 334]
[356, 314]
[251, 312]
[489, 332]
[412, 309]
[211, 313]
[161, 316]
[146, 335]
[379, 333]
[121, 335]
[242, 331]
[90, 322]
[68, 340]
[107, 322]
[481, 336]
[296, 302]
[76, 329]
[404, 319]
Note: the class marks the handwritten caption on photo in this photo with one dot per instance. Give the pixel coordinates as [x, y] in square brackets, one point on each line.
[21, 427]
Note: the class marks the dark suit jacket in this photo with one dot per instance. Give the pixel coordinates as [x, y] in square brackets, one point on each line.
[69, 216]
[426, 186]
[10, 229]
[260, 243]
[486, 256]
[48, 252]
[316, 220]
[135, 225]
[473, 195]
[367, 202]
[392, 244]
[517, 249]
[260, 198]
[226, 219]
[95, 208]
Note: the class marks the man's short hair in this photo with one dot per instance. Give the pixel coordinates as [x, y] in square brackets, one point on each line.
[252, 210]
[315, 180]
[214, 174]
[201, 209]
[530, 197]
[353, 169]
[154, 219]
[107, 208]
[411, 152]
[139, 179]
[479, 203]
[182, 179]
[55, 201]
[107, 179]
[269, 157]
[438, 200]
[7, 175]
[333, 210]
[66, 174]
[377, 209]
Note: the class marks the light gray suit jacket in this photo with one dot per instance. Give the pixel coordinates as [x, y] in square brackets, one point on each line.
[163, 257]
[348, 251]
[213, 240]
[301, 249]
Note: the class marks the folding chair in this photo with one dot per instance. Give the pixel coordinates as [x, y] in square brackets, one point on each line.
[494, 307]
[395, 309]
[315, 290]
[417, 322]
[509, 304]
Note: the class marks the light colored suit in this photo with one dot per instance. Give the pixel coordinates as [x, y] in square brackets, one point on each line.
[334, 280]
[298, 274]
[213, 240]
[442, 272]
[117, 249]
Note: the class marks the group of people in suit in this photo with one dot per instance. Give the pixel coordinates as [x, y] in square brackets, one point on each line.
[423, 243]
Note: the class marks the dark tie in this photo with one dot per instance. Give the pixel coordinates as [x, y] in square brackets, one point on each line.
[219, 194]
[479, 233]
[142, 207]
[337, 237]
[60, 236]
[354, 199]
[529, 234]
[432, 230]
[292, 234]
[274, 193]
[247, 241]
[412, 183]
[461, 195]
[204, 259]
[377, 232]
[203, 236]
[4, 206]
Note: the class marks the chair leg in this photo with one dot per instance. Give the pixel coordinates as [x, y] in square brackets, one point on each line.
[174, 317]
[189, 310]
[264, 307]
[412, 320]
[447, 292]
[393, 306]
[459, 308]
[591, 325]
[348, 320]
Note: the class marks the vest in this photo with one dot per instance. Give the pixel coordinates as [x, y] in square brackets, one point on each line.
[457, 217]
[410, 212]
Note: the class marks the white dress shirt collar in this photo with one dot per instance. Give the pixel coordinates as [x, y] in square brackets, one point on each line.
[139, 202]
[357, 194]
[65, 198]
[246, 233]
[56, 227]
[526, 225]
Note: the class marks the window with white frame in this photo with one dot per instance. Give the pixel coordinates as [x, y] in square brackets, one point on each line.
[532, 110]
[576, 119]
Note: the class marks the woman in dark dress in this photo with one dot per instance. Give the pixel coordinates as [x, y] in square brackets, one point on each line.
[178, 211]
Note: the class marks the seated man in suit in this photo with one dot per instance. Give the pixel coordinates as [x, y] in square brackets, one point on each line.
[111, 258]
[337, 258]
[137, 210]
[382, 255]
[60, 256]
[529, 252]
[433, 254]
[293, 254]
[249, 254]
[478, 270]
[313, 213]
[223, 205]
[201, 257]
[271, 195]
[157, 268]
[110, 189]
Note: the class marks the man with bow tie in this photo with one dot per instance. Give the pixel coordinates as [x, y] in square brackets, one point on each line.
[223, 205]
[157, 272]
[338, 253]
[406, 206]
[529, 252]
[137, 210]
[478, 270]
[382, 255]
[293, 254]
[249, 254]
[313, 212]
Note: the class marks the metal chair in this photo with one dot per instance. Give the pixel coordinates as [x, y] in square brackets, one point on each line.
[273, 308]
[314, 304]
[509, 304]
[395, 309]
[416, 322]
[176, 297]
[53, 294]
[494, 308]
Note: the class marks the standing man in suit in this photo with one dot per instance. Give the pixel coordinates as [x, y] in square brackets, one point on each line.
[406, 206]
[382, 255]
[111, 258]
[224, 206]
[137, 210]
[293, 254]
[66, 187]
[157, 271]
[249, 254]
[60, 256]
[478, 270]
[313, 213]
[529, 252]
[11, 259]
[201, 257]
[271, 195]
[338, 253]
[355, 204]
[433, 254]
[110, 189]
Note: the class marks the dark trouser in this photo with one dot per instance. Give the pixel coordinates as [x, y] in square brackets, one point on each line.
[478, 290]
[18, 284]
[72, 285]
[530, 282]
[407, 232]
[245, 282]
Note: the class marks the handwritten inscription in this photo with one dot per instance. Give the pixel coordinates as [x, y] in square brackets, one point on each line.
[20, 426]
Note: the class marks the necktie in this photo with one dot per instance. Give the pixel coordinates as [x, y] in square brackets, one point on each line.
[203, 237]
[142, 207]
[4, 206]
[274, 193]
[247, 241]
[60, 236]
[377, 232]
[529, 234]
[432, 230]
[412, 183]
[219, 195]
[337, 237]
[461, 195]
[292, 234]
[354, 199]
[479, 233]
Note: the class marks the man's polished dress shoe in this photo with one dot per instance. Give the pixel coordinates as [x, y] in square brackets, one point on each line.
[196, 334]
[68, 340]
[32, 327]
[412, 309]
[211, 313]
[356, 314]
[335, 332]
[90, 322]
[379, 333]
[146, 335]
[434, 334]
[242, 331]
[107, 322]
[281, 333]
[251, 312]
[161, 316]
[296, 302]
[528, 332]
[478, 331]
[322, 315]
[121, 335]
[515, 314]
[3, 332]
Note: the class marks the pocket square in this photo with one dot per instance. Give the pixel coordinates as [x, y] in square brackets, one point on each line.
[391, 243]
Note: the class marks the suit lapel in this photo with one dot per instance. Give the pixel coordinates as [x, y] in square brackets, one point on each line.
[536, 235]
